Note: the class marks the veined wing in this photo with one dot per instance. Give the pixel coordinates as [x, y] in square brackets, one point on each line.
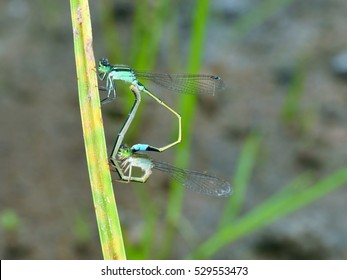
[194, 180]
[184, 83]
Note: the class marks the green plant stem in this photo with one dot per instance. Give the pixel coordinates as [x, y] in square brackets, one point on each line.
[114, 48]
[290, 112]
[148, 32]
[187, 109]
[255, 17]
[241, 180]
[288, 200]
[93, 133]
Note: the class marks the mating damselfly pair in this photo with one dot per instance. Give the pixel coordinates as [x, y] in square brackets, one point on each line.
[123, 159]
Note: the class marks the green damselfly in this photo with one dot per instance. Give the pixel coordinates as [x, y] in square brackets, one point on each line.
[180, 83]
[192, 180]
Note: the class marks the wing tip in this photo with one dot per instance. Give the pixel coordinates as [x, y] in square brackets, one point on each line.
[225, 190]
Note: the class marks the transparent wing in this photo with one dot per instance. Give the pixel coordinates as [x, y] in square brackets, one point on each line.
[184, 83]
[194, 180]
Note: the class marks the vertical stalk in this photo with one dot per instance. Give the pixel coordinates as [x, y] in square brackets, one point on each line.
[93, 134]
[187, 106]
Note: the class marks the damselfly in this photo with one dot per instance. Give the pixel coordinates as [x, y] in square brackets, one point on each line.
[193, 180]
[181, 83]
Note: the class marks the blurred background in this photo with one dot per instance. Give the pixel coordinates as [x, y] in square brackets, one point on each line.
[278, 132]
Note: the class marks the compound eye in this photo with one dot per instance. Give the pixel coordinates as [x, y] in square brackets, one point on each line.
[104, 61]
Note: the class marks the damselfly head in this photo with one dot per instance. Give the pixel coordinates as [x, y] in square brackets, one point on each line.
[124, 152]
[104, 65]
[104, 61]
